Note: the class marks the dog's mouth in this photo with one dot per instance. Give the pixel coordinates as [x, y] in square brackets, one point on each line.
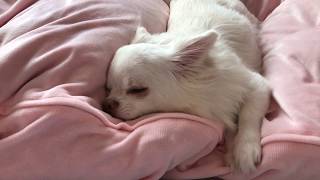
[126, 116]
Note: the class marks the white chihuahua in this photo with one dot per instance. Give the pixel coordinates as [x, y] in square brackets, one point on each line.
[206, 64]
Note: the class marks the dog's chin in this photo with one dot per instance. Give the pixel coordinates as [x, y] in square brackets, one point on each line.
[124, 117]
[130, 117]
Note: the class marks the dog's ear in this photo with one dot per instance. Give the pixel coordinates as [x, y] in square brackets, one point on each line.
[142, 35]
[189, 54]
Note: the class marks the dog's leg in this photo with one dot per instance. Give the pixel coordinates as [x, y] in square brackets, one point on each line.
[247, 148]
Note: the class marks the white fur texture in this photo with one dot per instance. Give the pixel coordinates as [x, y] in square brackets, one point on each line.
[206, 64]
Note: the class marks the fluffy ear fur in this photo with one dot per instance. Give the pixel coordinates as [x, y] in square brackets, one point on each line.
[190, 53]
[142, 35]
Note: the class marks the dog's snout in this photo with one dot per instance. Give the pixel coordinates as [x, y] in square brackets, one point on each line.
[110, 105]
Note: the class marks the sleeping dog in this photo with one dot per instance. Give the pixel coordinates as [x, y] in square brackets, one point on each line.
[206, 64]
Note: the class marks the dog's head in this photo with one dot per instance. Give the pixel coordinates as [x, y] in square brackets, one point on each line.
[152, 77]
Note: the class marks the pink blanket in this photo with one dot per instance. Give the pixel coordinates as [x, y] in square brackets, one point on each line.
[53, 58]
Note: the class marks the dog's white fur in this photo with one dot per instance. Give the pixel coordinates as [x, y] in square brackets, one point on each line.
[206, 64]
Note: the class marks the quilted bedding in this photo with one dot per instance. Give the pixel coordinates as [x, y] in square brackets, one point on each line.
[53, 58]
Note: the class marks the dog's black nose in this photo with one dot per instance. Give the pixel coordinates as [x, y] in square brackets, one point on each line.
[110, 105]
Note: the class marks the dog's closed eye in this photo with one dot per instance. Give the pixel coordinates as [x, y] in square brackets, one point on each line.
[138, 91]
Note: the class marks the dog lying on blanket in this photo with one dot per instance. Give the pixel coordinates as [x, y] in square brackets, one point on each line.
[206, 64]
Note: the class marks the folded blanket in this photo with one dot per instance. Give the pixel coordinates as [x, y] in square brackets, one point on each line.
[54, 56]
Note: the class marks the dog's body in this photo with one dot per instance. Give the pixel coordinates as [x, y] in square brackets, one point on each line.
[206, 64]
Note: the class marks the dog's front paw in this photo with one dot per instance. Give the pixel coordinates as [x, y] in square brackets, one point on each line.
[246, 155]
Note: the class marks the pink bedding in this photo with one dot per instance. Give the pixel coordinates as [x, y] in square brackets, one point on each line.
[53, 59]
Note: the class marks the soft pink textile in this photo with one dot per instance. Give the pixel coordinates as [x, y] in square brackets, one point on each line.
[53, 59]
[54, 56]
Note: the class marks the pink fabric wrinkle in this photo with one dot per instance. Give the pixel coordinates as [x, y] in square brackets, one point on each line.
[17, 7]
